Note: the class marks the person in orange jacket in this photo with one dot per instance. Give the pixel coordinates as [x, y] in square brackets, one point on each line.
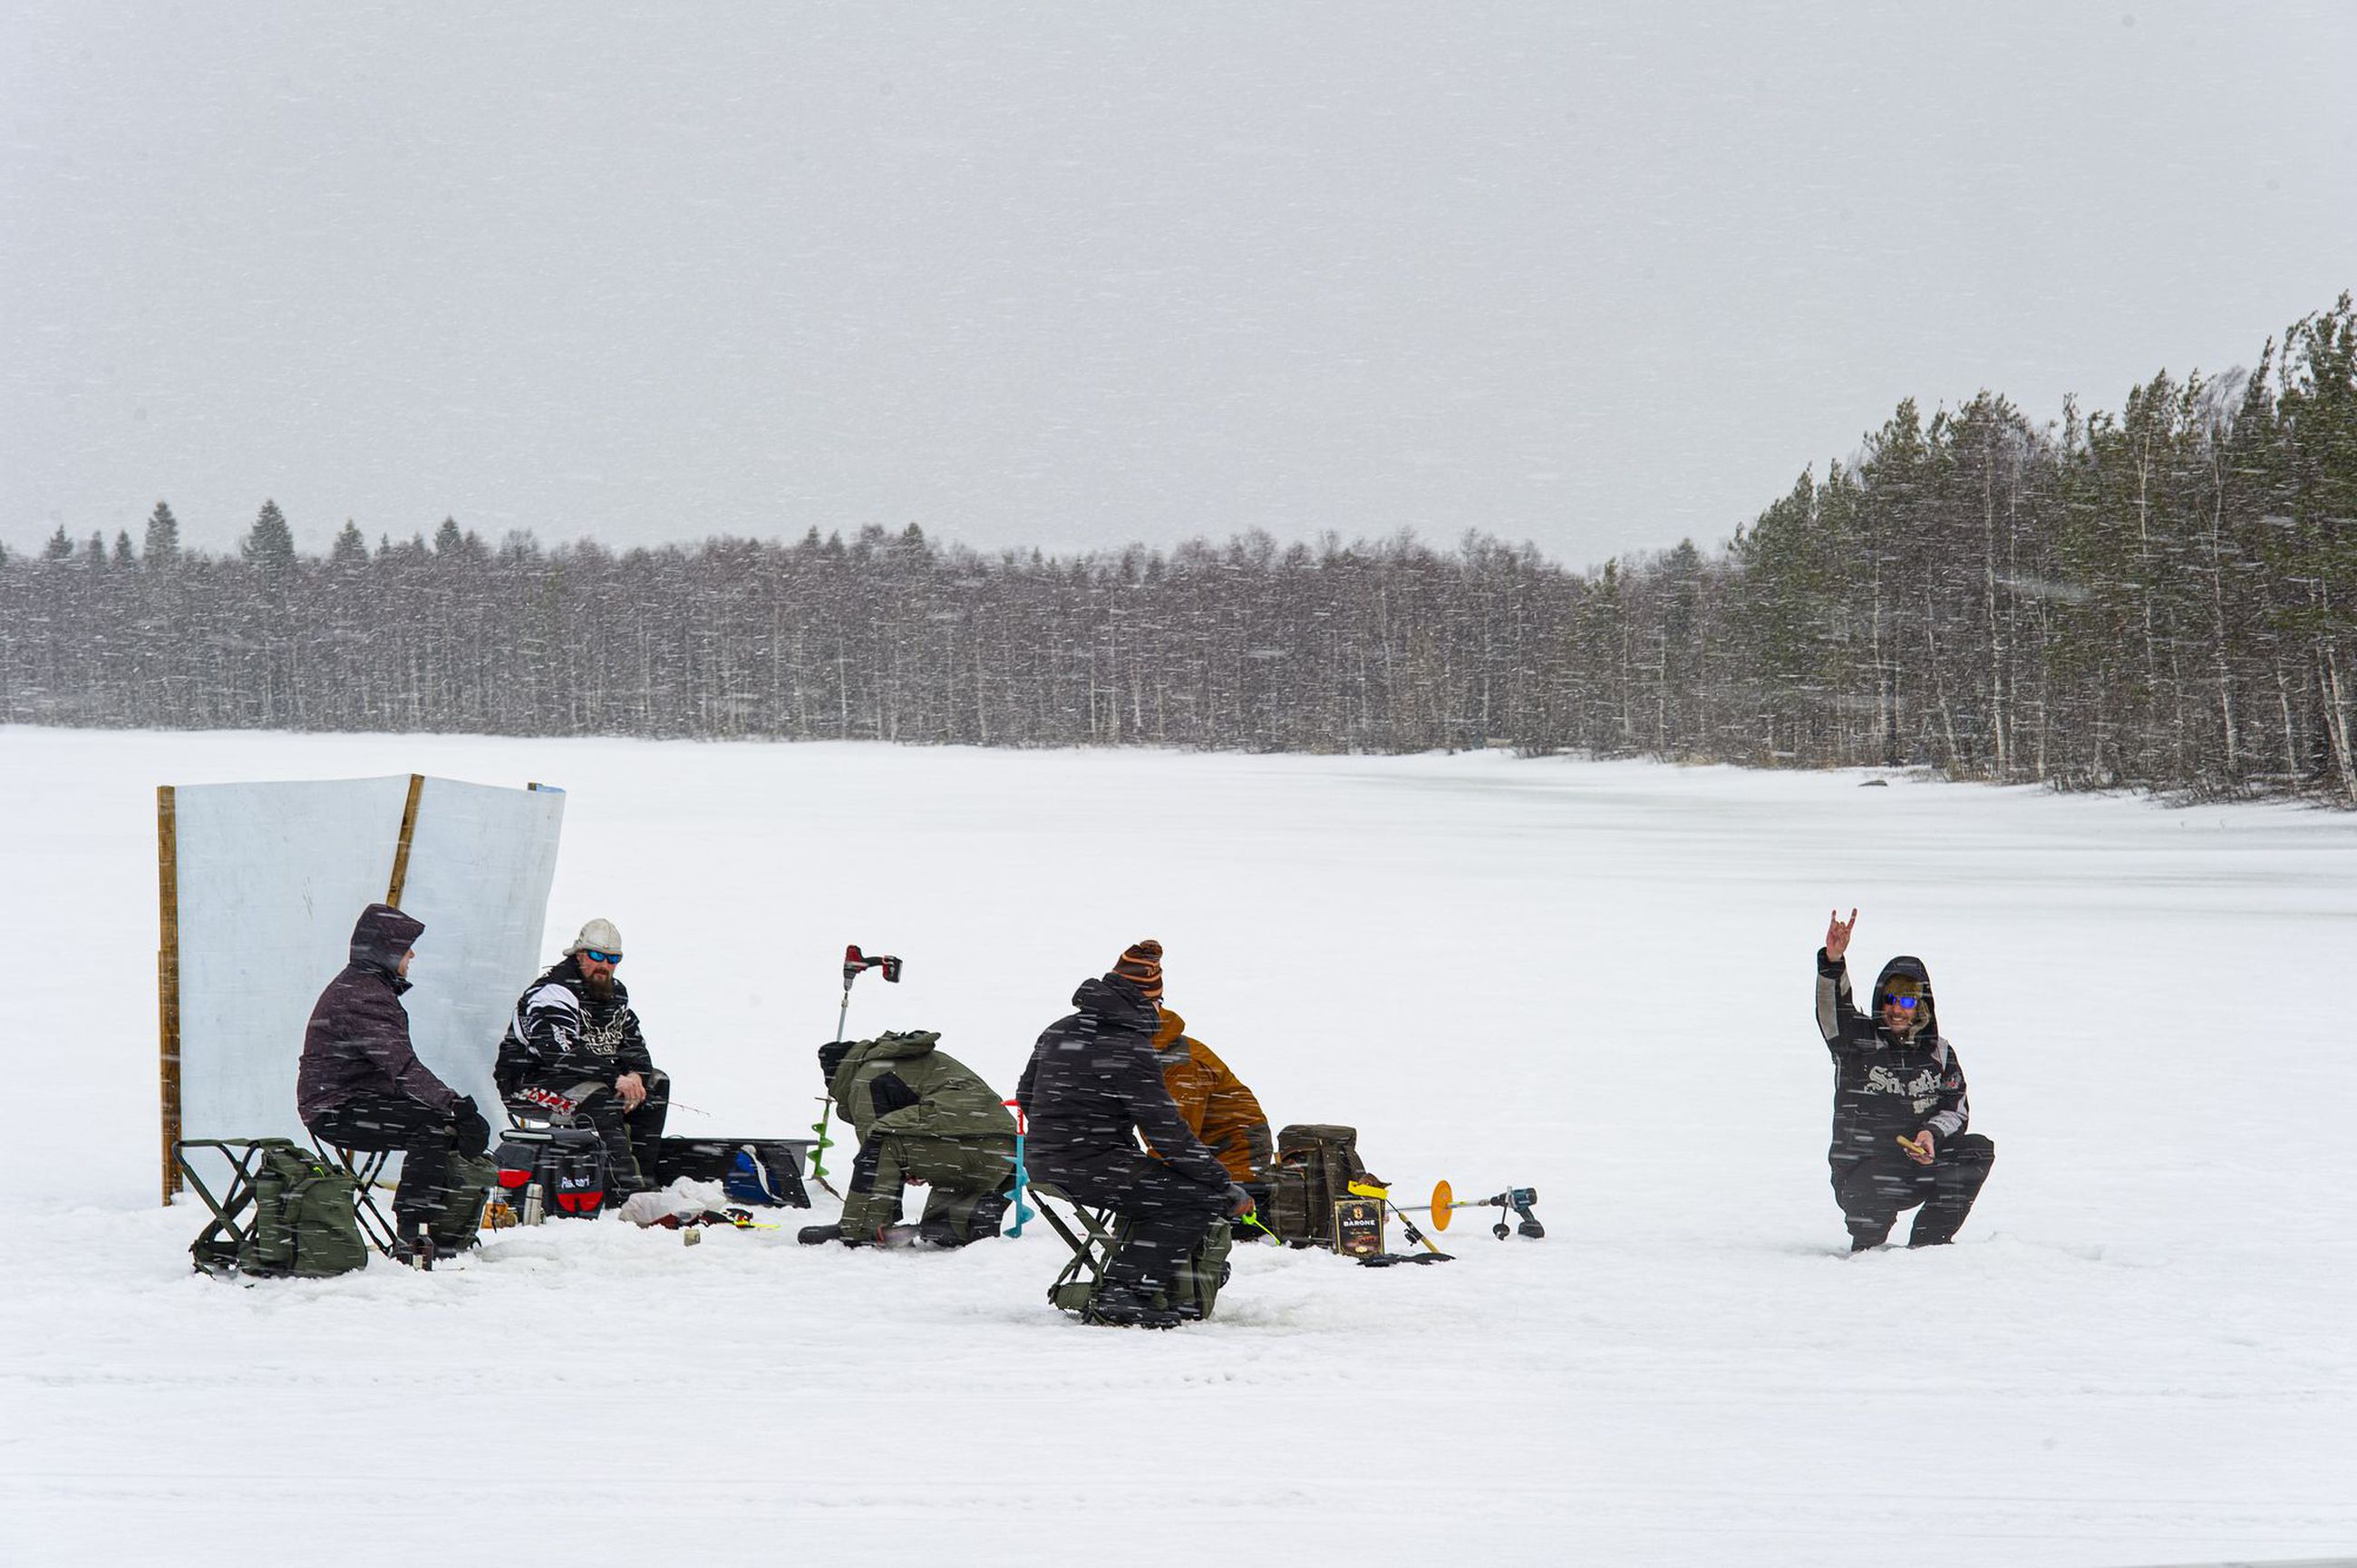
[1214, 1103]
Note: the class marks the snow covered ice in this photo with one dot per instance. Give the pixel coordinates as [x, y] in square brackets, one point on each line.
[1592, 979]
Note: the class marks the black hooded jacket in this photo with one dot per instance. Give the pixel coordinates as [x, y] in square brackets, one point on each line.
[1093, 1084]
[357, 1042]
[561, 1035]
[1886, 1088]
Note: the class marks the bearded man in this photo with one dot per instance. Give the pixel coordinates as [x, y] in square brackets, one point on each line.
[574, 1046]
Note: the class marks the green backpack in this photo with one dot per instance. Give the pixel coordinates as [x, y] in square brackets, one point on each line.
[303, 1222]
[1315, 1164]
[1197, 1288]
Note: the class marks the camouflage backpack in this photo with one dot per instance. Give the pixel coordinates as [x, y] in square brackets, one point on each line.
[1315, 1164]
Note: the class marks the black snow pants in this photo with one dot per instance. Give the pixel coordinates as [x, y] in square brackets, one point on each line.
[1875, 1190]
[1167, 1213]
[424, 1135]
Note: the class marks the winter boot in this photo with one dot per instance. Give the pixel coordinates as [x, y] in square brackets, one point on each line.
[818, 1235]
[1117, 1307]
[988, 1215]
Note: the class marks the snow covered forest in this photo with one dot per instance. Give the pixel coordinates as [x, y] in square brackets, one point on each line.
[2164, 597]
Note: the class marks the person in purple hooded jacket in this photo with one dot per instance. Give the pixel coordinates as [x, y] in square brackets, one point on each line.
[360, 1085]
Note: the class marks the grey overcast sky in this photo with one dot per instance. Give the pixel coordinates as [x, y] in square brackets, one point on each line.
[1596, 275]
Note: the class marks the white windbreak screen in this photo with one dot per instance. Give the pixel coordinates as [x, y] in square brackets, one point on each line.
[271, 878]
[480, 863]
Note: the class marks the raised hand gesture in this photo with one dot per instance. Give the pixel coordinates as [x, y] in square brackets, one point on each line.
[1837, 932]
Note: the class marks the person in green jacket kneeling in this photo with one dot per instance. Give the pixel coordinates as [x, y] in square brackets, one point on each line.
[922, 1116]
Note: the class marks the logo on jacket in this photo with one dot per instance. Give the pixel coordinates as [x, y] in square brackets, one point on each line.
[605, 1039]
[1923, 1089]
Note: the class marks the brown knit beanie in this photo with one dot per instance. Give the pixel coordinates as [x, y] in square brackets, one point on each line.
[1142, 967]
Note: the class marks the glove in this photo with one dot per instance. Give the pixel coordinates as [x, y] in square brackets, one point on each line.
[471, 1135]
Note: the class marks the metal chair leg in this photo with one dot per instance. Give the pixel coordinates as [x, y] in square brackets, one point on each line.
[216, 1248]
[366, 1167]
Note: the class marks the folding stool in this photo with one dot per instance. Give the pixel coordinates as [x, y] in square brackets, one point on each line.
[1095, 1235]
[365, 1166]
[216, 1248]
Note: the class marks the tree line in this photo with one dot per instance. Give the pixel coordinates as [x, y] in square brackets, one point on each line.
[2164, 597]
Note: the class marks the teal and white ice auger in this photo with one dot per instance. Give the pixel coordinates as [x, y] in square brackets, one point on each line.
[1023, 1212]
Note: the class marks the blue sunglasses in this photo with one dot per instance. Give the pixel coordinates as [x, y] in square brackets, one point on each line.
[594, 956]
[1894, 1000]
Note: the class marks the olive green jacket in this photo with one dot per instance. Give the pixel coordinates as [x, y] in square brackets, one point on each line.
[899, 1084]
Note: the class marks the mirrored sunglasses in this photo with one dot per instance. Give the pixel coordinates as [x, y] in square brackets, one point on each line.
[594, 956]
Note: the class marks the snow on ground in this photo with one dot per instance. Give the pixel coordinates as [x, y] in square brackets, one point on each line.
[1592, 979]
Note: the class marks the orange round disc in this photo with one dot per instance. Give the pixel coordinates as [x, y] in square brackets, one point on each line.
[1442, 1198]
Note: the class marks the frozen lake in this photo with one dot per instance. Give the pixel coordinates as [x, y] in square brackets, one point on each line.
[1592, 979]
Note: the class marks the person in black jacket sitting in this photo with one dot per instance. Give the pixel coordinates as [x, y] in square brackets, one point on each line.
[360, 1085]
[1901, 1109]
[574, 1046]
[1093, 1085]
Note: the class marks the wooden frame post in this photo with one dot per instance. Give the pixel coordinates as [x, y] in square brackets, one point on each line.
[167, 980]
[408, 831]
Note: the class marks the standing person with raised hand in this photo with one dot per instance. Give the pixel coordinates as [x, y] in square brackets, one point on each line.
[1901, 1109]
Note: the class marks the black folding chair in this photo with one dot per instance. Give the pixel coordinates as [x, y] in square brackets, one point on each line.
[366, 1167]
[216, 1248]
[1095, 1235]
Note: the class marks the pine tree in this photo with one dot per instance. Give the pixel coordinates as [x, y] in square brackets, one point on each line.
[271, 545]
[163, 537]
[2319, 413]
[446, 538]
[350, 549]
[122, 555]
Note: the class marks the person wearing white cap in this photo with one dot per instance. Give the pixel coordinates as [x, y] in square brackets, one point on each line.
[574, 1044]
